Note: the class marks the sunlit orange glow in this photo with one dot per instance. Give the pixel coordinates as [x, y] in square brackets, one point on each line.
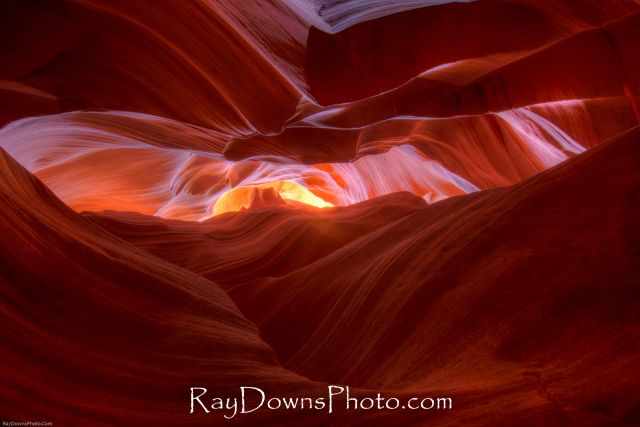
[277, 192]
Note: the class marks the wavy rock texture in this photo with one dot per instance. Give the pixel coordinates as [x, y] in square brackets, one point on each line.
[468, 296]
[71, 290]
[533, 50]
[417, 197]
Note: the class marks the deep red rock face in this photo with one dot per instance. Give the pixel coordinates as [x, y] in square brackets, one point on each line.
[417, 198]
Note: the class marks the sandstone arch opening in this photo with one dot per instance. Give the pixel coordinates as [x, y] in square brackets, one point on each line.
[267, 194]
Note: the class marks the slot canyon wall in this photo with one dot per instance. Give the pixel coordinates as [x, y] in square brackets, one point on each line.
[413, 197]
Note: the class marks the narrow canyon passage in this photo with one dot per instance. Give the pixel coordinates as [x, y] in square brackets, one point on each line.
[436, 201]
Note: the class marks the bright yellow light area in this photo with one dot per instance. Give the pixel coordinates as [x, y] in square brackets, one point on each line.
[241, 198]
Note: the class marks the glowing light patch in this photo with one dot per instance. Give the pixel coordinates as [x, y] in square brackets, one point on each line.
[271, 193]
